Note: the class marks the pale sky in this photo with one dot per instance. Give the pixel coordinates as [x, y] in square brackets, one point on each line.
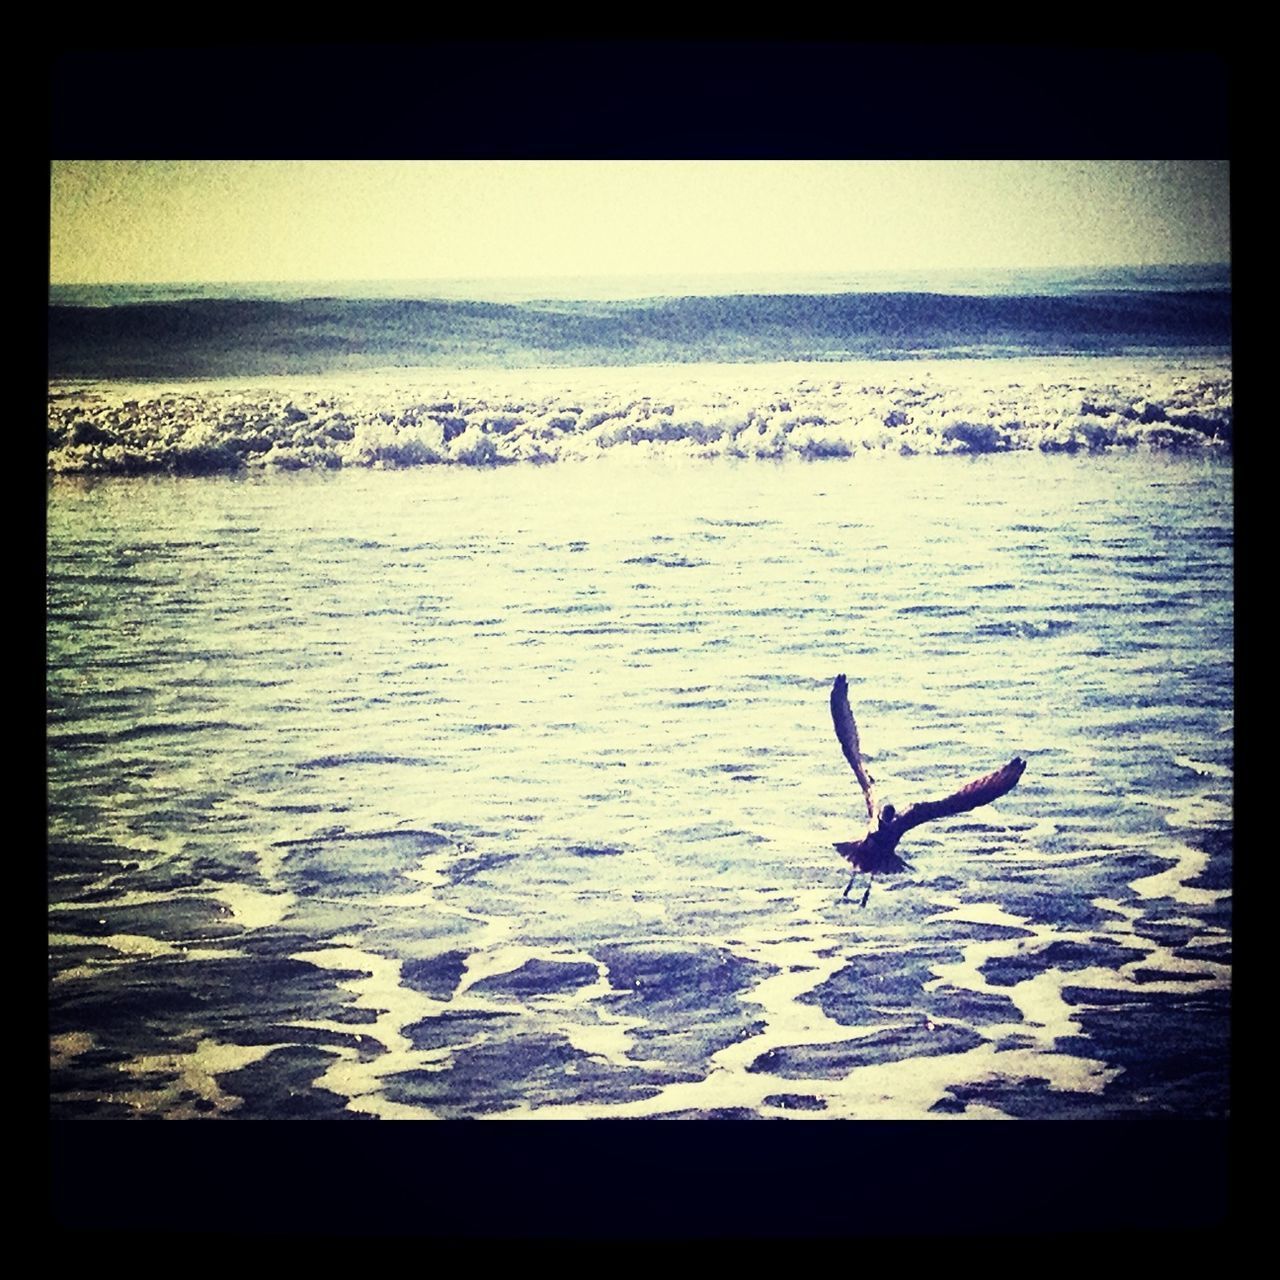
[214, 221]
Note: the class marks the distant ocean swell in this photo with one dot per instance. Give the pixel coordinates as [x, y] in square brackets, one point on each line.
[226, 337]
[473, 419]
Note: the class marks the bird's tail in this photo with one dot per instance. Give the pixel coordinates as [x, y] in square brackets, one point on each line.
[850, 850]
[860, 855]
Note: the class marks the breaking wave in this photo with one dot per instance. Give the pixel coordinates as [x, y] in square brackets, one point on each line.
[487, 418]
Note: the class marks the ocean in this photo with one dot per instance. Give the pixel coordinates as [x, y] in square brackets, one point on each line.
[438, 688]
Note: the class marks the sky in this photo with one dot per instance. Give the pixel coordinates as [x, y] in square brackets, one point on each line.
[213, 221]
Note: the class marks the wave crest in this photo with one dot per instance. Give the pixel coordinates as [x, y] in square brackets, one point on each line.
[725, 411]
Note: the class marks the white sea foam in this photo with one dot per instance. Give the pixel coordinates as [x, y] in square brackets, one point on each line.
[411, 418]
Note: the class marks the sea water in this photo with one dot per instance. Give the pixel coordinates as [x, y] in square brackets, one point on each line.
[391, 790]
[438, 693]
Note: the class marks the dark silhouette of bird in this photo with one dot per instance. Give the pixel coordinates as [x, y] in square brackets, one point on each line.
[875, 852]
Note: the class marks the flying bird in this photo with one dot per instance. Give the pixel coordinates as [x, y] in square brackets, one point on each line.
[876, 850]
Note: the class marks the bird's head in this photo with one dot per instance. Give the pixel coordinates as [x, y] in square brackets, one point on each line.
[887, 813]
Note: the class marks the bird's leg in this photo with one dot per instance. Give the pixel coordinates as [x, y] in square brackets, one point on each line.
[849, 886]
[867, 894]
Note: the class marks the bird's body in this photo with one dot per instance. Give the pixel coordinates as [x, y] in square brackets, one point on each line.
[875, 852]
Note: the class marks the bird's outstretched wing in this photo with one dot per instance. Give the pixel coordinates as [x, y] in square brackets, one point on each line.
[980, 791]
[847, 732]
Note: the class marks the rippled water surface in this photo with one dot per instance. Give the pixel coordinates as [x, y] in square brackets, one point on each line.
[511, 792]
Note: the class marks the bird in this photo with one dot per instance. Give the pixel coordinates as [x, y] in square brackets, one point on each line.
[876, 851]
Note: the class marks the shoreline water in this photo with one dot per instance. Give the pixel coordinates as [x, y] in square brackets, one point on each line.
[512, 793]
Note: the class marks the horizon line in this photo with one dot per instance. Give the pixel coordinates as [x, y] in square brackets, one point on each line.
[637, 277]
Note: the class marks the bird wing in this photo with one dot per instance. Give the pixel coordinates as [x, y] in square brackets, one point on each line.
[847, 732]
[980, 791]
